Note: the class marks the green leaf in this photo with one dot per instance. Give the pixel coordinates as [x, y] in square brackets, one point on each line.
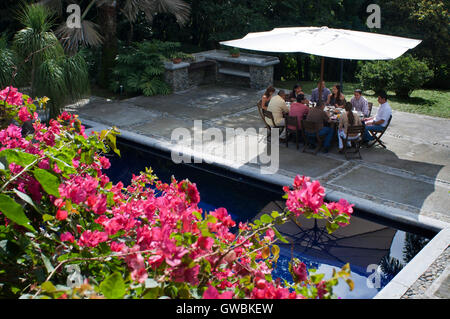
[276, 252]
[279, 236]
[197, 214]
[316, 278]
[47, 263]
[48, 181]
[112, 143]
[47, 217]
[26, 199]
[113, 287]
[14, 212]
[266, 219]
[275, 214]
[18, 157]
[331, 227]
[48, 287]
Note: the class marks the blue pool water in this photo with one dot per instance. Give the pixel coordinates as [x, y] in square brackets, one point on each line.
[365, 243]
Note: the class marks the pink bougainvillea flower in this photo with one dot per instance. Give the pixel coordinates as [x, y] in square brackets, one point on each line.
[67, 236]
[12, 96]
[212, 293]
[92, 238]
[105, 162]
[299, 272]
[24, 115]
[61, 214]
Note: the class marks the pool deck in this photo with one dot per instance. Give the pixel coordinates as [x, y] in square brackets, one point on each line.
[407, 182]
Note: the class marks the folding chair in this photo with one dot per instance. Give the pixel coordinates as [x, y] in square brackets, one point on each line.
[268, 114]
[370, 108]
[291, 121]
[378, 134]
[355, 141]
[309, 130]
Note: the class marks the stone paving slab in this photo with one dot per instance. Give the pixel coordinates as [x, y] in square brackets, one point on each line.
[404, 190]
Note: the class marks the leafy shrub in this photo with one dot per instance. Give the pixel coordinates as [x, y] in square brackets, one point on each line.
[376, 75]
[402, 75]
[66, 231]
[140, 68]
[408, 74]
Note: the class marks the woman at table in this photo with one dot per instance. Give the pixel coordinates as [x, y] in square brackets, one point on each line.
[266, 97]
[336, 98]
[348, 118]
[297, 89]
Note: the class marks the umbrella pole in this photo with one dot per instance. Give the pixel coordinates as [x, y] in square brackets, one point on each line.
[321, 79]
[342, 75]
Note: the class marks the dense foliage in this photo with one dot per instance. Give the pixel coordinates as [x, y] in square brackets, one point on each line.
[66, 231]
[402, 75]
[140, 68]
[37, 59]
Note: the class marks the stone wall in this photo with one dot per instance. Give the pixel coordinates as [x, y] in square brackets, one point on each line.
[261, 77]
[248, 70]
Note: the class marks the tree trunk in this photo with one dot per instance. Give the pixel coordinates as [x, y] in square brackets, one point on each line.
[307, 72]
[108, 24]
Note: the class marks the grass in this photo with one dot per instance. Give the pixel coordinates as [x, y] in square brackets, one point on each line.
[424, 101]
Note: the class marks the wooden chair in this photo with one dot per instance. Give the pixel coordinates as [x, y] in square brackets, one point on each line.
[370, 108]
[311, 129]
[355, 142]
[377, 135]
[291, 121]
[268, 114]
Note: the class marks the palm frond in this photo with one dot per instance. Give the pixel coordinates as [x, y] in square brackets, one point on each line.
[36, 17]
[180, 9]
[73, 38]
[77, 76]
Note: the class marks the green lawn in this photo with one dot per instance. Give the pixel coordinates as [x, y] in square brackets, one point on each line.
[424, 101]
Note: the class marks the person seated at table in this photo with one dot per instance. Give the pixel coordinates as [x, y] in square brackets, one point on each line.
[379, 122]
[348, 118]
[278, 106]
[295, 92]
[265, 99]
[315, 92]
[360, 103]
[319, 116]
[337, 99]
[299, 109]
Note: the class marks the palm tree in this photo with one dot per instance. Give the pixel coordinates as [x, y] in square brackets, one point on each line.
[51, 73]
[88, 34]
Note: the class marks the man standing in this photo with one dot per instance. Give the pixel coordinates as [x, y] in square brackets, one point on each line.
[319, 116]
[277, 106]
[380, 121]
[315, 92]
[360, 103]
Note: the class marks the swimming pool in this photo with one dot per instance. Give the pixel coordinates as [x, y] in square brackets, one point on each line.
[367, 243]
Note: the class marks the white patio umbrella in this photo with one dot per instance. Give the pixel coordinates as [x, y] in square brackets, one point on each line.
[326, 42]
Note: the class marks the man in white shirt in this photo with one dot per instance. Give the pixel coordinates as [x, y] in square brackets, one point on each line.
[278, 106]
[380, 121]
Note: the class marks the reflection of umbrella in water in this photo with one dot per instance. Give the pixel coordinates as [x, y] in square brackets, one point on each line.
[361, 243]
